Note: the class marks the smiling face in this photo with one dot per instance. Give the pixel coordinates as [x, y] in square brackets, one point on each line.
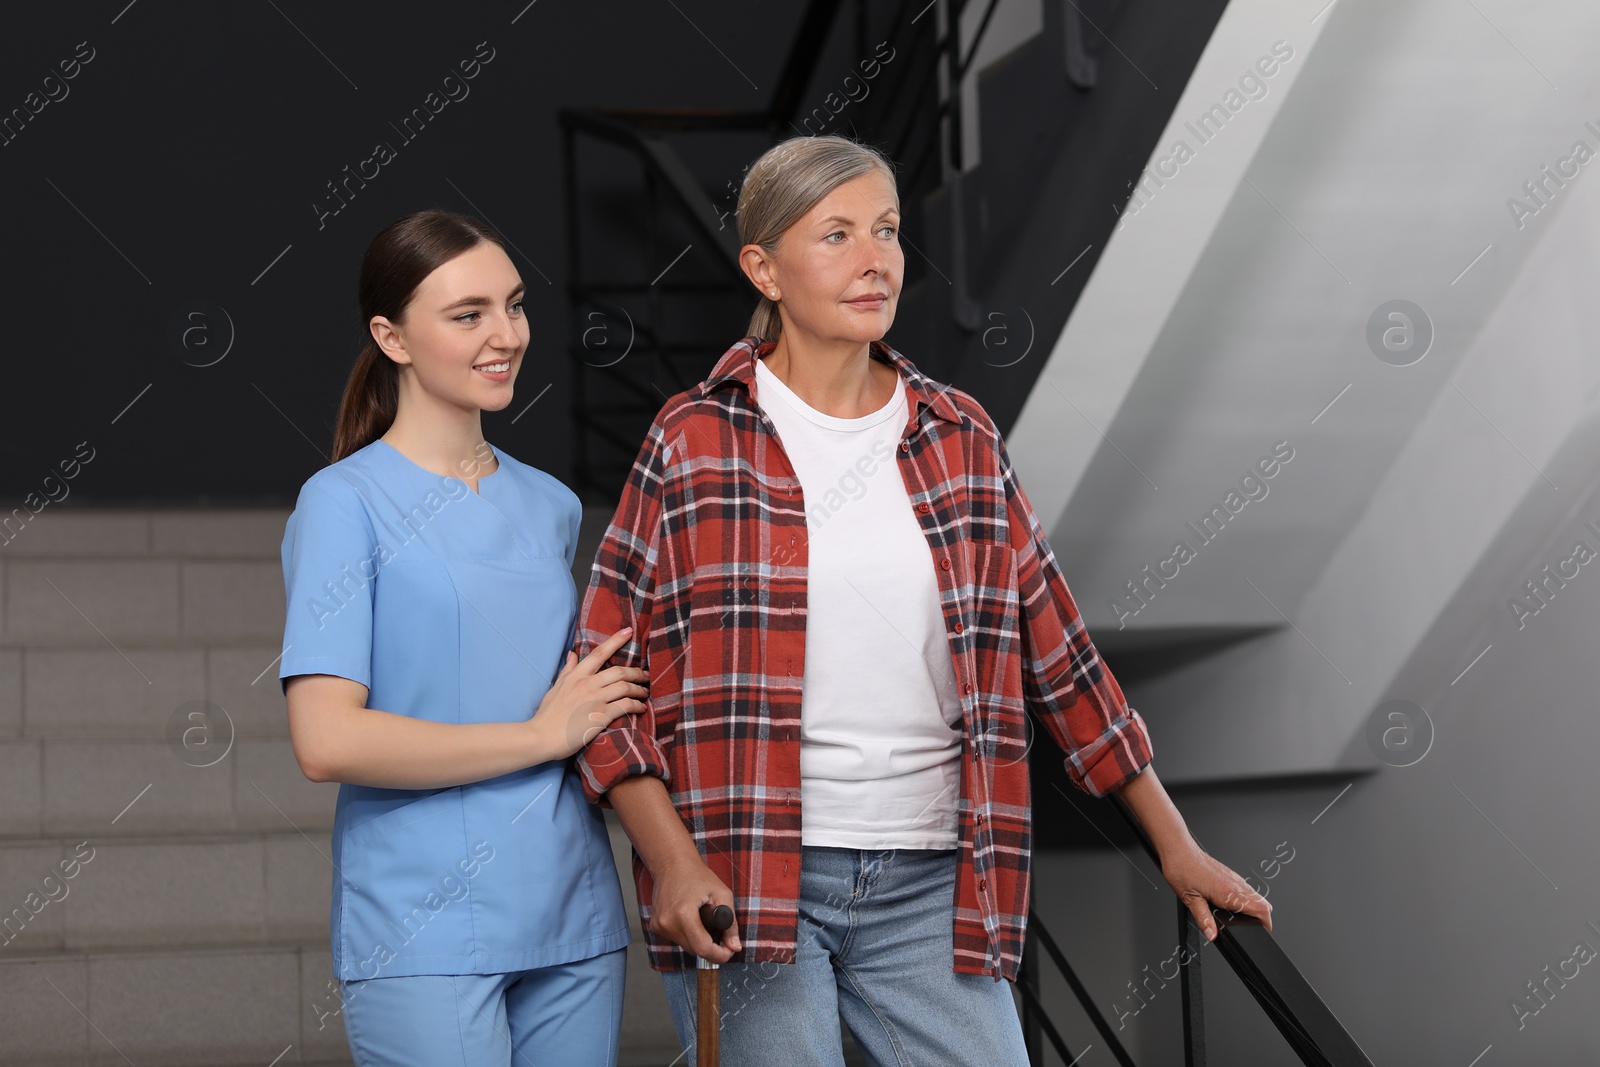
[837, 270]
[466, 316]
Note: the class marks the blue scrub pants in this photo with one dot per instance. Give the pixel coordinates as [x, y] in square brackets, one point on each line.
[569, 1014]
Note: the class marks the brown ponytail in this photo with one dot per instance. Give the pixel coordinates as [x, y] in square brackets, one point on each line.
[403, 254]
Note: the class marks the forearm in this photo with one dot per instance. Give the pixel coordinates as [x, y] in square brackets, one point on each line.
[366, 746]
[1151, 805]
[653, 825]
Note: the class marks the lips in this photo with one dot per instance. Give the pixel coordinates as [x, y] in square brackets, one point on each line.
[500, 373]
[869, 300]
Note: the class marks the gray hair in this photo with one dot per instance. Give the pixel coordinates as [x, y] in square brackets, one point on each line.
[785, 182]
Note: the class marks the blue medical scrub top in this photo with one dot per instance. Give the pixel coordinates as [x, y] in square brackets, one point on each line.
[458, 607]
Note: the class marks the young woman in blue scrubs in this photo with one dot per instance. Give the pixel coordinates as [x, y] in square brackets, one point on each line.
[477, 917]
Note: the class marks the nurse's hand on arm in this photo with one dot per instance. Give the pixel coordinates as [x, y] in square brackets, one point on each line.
[682, 881]
[337, 738]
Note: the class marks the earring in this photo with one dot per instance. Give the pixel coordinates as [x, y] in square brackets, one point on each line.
[774, 292]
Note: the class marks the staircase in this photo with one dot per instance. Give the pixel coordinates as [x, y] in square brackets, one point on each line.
[165, 878]
[196, 930]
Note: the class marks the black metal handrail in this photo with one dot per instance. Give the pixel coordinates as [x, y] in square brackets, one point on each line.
[1308, 1025]
[665, 166]
[1036, 1021]
[1301, 1016]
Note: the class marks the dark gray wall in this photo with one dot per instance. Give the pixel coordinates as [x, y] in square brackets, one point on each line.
[178, 171]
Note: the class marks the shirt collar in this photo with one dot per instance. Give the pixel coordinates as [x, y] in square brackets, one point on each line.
[738, 364]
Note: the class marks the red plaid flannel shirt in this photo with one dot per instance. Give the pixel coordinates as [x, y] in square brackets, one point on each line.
[706, 559]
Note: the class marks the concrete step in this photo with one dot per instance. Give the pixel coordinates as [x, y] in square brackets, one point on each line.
[142, 577]
[203, 914]
[96, 790]
[140, 601]
[195, 933]
[222, 1006]
[237, 533]
[134, 692]
[65, 895]
[177, 533]
[227, 1007]
[160, 579]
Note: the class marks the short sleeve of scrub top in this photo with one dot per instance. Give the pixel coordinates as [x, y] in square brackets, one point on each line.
[458, 607]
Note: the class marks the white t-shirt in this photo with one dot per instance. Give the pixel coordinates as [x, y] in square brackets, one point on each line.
[880, 717]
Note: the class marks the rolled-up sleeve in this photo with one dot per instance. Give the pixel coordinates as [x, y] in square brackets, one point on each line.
[1065, 683]
[620, 593]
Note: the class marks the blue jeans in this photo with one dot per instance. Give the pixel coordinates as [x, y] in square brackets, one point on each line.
[568, 1014]
[874, 951]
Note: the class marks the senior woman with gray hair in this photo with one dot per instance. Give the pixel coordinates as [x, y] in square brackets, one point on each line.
[847, 609]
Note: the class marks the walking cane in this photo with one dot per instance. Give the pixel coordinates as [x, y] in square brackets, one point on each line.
[708, 1028]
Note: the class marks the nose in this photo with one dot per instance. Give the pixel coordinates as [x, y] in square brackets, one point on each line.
[873, 259]
[505, 335]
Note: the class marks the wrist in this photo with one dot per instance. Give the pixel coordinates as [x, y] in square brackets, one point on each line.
[677, 861]
[1177, 847]
[540, 746]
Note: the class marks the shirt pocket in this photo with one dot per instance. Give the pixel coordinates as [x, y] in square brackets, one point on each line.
[992, 621]
[419, 809]
[992, 597]
[393, 866]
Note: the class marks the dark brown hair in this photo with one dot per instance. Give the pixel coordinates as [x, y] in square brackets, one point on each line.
[404, 253]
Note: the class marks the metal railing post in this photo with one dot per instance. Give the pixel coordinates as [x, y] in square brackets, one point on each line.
[1032, 1033]
[1194, 1022]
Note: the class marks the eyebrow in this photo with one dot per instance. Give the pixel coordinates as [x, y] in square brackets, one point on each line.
[481, 301]
[848, 222]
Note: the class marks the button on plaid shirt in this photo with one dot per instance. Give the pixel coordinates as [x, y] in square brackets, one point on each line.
[706, 560]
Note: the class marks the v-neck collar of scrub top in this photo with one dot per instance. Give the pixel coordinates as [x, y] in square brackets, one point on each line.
[500, 465]
[492, 478]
